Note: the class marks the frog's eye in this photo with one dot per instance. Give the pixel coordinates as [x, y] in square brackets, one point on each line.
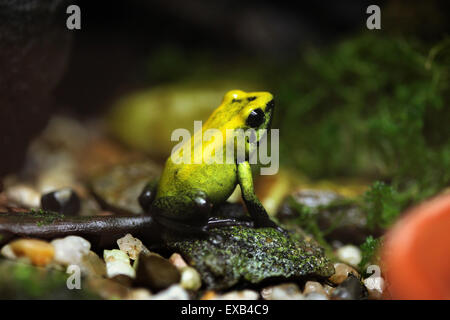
[255, 118]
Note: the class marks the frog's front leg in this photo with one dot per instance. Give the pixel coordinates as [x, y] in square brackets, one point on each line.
[254, 206]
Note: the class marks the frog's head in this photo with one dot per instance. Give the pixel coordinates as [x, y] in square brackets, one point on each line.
[244, 110]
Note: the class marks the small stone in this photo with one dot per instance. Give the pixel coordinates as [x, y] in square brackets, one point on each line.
[24, 195]
[349, 254]
[209, 295]
[64, 201]
[139, 294]
[239, 295]
[375, 286]
[286, 291]
[39, 252]
[341, 273]
[190, 278]
[7, 252]
[316, 296]
[174, 292]
[328, 289]
[156, 273]
[92, 264]
[70, 250]
[118, 262]
[123, 280]
[177, 260]
[132, 246]
[313, 287]
[350, 289]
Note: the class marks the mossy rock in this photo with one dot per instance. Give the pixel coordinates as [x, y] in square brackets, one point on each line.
[239, 254]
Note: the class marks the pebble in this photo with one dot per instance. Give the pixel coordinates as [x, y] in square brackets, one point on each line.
[7, 252]
[349, 254]
[328, 289]
[209, 295]
[123, 280]
[24, 195]
[39, 252]
[132, 246]
[313, 287]
[375, 286]
[156, 273]
[350, 289]
[177, 260]
[64, 201]
[190, 279]
[118, 262]
[238, 295]
[92, 264]
[70, 250]
[174, 292]
[341, 273]
[286, 291]
[316, 296]
[139, 294]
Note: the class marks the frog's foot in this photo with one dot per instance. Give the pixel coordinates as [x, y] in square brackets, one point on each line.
[181, 227]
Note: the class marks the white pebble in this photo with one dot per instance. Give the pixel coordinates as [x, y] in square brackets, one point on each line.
[349, 254]
[7, 252]
[190, 279]
[239, 295]
[118, 262]
[286, 291]
[70, 250]
[24, 195]
[174, 292]
[131, 246]
[375, 286]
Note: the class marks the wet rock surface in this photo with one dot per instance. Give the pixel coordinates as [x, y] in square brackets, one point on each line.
[238, 254]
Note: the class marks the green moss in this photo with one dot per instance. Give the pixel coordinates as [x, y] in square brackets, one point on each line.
[47, 217]
[369, 251]
[374, 107]
[237, 254]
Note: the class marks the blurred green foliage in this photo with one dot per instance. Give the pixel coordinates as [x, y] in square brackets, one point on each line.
[374, 107]
[369, 253]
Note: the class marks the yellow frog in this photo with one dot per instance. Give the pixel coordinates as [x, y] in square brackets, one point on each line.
[184, 197]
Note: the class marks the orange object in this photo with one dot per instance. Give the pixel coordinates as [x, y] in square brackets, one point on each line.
[416, 253]
[39, 252]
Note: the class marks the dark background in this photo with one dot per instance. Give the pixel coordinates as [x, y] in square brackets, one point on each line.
[45, 68]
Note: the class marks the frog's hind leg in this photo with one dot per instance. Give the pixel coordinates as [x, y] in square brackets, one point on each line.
[187, 213]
